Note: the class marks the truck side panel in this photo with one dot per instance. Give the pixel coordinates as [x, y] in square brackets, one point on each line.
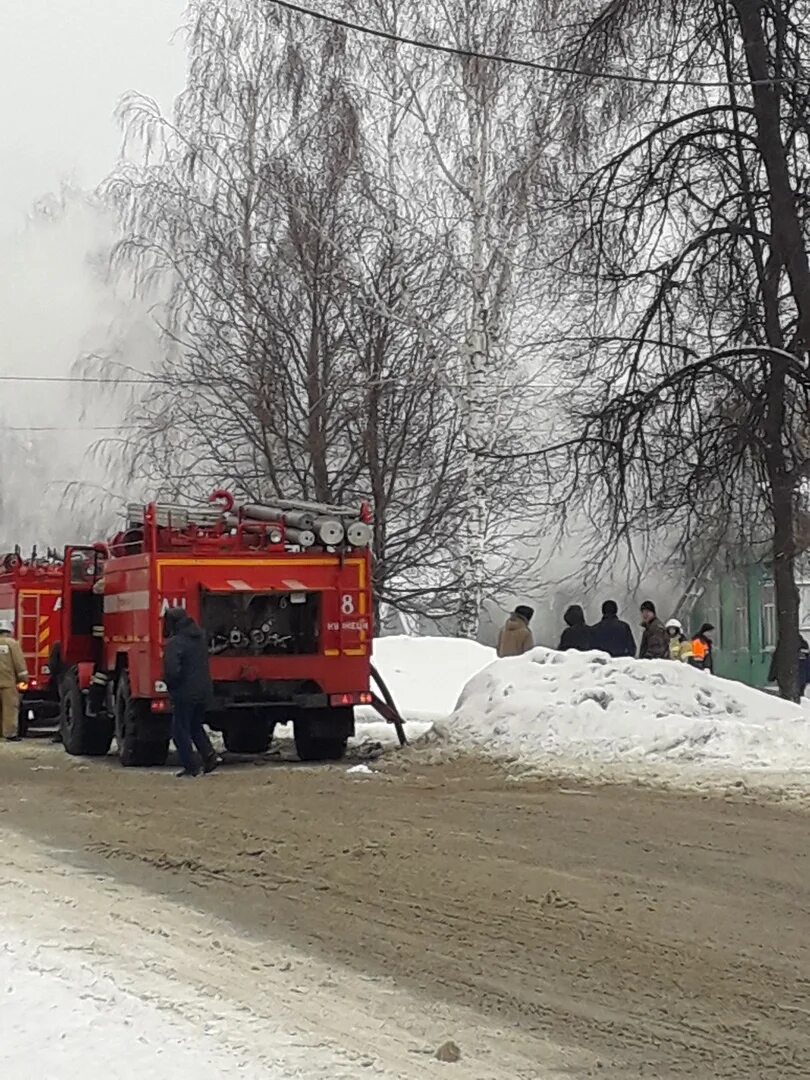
[37, 627]
[129, 631]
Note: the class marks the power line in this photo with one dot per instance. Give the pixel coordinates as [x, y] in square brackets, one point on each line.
[79, 427]
[80, 379]
[198, 383]
[101, 380]
[515, 61]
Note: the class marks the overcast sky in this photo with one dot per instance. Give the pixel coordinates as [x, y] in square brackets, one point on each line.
[63, 66]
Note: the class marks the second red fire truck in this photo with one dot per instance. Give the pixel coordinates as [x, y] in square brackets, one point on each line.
[30, 596]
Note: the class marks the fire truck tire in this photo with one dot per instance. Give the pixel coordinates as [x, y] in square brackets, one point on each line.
[249, 734]
[142, 738]
[83, 736]
[313, 743]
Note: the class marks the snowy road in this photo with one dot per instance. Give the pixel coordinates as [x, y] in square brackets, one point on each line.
[104, 980]
[61, 1019]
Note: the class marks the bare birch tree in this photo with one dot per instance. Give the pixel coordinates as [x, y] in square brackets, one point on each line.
[339, 284]
[290, 295]
[485, 131]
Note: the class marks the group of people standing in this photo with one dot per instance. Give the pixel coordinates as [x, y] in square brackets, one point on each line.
[614, 636]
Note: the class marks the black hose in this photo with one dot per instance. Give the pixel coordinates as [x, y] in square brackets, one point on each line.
[395, 718]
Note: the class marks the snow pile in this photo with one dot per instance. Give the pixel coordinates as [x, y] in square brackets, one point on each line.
[425, 676]
[570, 710]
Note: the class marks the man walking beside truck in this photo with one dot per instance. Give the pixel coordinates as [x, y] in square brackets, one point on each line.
[13, 677]
[188, 681]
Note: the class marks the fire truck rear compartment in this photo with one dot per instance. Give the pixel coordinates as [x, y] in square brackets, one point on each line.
[261, 624]
[253, 624]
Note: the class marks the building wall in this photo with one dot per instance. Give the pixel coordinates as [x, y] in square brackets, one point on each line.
[742, 606]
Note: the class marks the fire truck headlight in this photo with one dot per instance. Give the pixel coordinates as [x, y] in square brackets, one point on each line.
[45, 669]
[160, 687]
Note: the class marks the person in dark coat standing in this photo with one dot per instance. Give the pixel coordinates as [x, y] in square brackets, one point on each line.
[654, 639]
[611, 634]
[577, 634]
[188, 681]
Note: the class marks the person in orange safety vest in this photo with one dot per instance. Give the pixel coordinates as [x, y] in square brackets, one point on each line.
[702, 648]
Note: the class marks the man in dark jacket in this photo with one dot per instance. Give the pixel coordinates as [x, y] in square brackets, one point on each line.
[654, 639]
[188, 681]
[577, 635]
[611, 634]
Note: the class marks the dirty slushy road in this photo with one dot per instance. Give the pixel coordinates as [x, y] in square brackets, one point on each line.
[639, 933]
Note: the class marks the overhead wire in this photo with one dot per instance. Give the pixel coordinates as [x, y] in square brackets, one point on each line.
[549, 67]
[79, 379]
[75, 427]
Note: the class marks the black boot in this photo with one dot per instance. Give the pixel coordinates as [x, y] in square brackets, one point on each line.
[212, 762]
[187, 774]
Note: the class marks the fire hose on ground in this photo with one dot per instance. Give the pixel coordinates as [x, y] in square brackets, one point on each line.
[386, 708]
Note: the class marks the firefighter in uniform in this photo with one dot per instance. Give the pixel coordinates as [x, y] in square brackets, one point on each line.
[13, 678]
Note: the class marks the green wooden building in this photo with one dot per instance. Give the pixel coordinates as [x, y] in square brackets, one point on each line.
[742, 606]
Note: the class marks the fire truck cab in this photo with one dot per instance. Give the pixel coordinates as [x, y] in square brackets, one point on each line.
[288, 629]
[30, 590]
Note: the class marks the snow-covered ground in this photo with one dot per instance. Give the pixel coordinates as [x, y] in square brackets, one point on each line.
[425, 676]
[64, 1021]
[103, 981]
[594, 716]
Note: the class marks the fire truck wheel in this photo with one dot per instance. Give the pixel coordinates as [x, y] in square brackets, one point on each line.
[143, 739]
[249, 734]
[85, 736]
[315, 742]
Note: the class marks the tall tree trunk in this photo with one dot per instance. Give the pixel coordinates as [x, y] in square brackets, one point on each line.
[787, 252]
[787, 593]
[316, 417]
[477, 395]
[785, 223]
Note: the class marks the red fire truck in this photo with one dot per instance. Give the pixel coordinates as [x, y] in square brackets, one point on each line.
[283, 594]
[30, 590]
